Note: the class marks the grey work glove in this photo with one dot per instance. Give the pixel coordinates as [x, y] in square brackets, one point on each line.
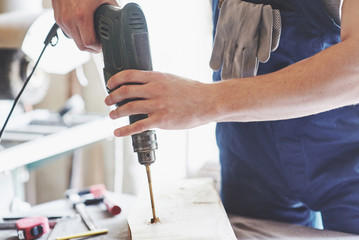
[246, 34]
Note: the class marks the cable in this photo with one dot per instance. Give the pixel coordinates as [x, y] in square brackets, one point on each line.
[48, 40]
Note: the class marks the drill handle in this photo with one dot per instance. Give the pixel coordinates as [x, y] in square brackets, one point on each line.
[124, 38]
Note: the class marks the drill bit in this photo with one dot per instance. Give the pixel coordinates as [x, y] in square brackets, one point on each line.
[154, 219]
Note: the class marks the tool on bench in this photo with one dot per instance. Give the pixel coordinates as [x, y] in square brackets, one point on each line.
[28, 228]
[83, 234]
[125, 45]
[31, 227]
[79, 204]
[96, 190]
[100, 192]
[80, 207]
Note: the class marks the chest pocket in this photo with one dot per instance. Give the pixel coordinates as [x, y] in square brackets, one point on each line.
[305, 32]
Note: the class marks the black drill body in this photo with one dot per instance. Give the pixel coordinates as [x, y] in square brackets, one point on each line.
[125, 45]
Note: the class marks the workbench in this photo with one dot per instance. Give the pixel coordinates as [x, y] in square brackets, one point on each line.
[245, 228]
[116, 225]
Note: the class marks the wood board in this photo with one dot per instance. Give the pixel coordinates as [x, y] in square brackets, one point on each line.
[187, 209]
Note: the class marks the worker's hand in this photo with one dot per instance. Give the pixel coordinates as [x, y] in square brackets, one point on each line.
[244, 36]
[171, 102]
[76, 19]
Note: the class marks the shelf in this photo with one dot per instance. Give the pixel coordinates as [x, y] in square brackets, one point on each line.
[40, 139]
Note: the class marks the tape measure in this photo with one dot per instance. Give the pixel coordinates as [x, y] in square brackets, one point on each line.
[32, 227]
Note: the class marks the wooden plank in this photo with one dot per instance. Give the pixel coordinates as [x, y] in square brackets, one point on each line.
[187, 209]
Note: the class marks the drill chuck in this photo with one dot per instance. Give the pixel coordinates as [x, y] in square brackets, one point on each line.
[145, 144]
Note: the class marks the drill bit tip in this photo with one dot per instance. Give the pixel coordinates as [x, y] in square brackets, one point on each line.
[155, 220]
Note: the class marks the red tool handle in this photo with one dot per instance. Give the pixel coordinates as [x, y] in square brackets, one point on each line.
[99, 190]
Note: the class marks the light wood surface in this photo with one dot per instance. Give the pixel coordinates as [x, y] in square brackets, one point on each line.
[187, 209]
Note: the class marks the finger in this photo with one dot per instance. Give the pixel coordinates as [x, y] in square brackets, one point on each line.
[59, 18]
[64, 31]
[71, 30]
[86, 29]
[126, 92]
[130, 76]
[76, 21]
[132, 108]
[133, 128]
[89, 40]
[76, 36]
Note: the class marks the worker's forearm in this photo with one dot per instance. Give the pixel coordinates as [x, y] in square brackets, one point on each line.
[325, 81]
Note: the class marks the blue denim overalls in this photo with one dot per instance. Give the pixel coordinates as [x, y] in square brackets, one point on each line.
[285, 170]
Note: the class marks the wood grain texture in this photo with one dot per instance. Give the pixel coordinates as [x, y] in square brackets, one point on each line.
[189, 209]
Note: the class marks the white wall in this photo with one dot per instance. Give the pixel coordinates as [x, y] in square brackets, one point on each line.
[181, 41]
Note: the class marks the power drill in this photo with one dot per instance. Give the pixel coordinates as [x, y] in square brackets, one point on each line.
[125, 45]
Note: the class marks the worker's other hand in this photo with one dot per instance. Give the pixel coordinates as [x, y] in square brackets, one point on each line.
[76, 19]
[246, 34]
[171, 102]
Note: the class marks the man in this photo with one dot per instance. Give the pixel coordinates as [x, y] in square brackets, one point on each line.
[288, 137]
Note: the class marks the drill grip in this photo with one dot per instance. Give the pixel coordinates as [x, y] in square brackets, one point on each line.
[124, 38]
